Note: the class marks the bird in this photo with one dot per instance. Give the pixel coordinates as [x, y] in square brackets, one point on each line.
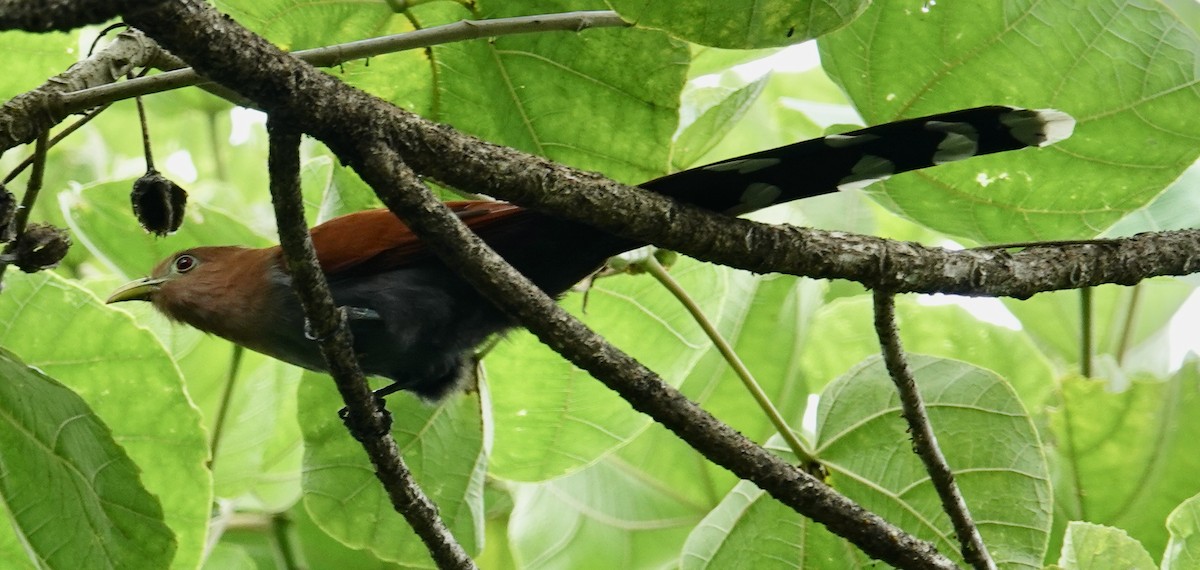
[417, 323]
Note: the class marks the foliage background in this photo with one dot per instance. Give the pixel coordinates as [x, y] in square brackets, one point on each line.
[542, 467]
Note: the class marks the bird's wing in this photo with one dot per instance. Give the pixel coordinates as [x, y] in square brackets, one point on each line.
[375, 240]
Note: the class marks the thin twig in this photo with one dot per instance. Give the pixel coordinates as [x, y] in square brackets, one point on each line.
[235, 364]
[32, 189]
[974, 551]
[66, 132]
[656, 270]
[141, 109]
[365, 415]
[1131, 312]
[1085, 332]
[282, 543]
[331, 56]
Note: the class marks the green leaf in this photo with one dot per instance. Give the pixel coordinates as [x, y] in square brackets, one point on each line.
[714, 123]
[1096, 547]
[569, 97]
[1183, 551]
[541, 400]
[985, 434]
[1178, 208]
[12, 550]
[706, 60]
[322, 551]
[610, 515]
[129, 379]
[847, 336]
[31, 58]
[292, 25]
[226, 556]
[751, 529]
[776, 119]
[73, 493]
[1125, 69]
[442, 446]
[742, 25]
[1145, 434]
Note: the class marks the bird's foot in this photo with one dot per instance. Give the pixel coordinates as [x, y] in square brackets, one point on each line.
[361, 428]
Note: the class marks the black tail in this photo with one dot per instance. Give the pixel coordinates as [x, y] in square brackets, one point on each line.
[858, 158]
[556, 253]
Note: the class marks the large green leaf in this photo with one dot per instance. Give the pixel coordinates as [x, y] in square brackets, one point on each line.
[541, 401]
[131, 382]
[72, 492]
[1146, 434]
[711, 126]
[402, 78]
[614, 514]
[1125, 69]
[749, 529]
[442, 446]
[302, 24]
[987, 437]
[31, 58]
[1184, 525]
[1095, 547]
[604, 100]
[322, 551]
[742, 24]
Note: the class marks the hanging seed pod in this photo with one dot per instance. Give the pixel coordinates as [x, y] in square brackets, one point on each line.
[42, 246]
[158, 203]
[8, 209]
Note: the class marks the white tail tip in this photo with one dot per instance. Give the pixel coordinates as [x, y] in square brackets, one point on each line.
[1039, 127]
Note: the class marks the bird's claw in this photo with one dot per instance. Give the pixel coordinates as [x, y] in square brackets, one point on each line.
[351, 313]
[361, 428]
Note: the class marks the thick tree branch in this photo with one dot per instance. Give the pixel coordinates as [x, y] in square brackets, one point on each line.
[50, 15]
[365, 415]
[925, 444]
[342, 117]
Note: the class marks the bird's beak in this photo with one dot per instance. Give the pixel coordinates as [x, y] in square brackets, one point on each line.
[140, 290]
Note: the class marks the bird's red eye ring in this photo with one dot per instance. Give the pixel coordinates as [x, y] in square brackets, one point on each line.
[184, 263]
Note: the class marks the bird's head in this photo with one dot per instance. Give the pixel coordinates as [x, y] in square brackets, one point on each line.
[222, 290]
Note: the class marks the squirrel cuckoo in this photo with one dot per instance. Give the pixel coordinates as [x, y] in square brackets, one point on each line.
[415, 321]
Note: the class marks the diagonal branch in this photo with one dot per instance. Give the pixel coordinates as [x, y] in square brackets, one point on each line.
[365, 416]
[925, 444]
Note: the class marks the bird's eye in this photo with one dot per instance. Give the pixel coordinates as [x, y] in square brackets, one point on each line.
[184, 263]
